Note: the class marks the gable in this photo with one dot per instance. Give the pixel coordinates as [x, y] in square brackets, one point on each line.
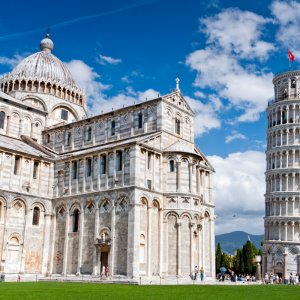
[178, 100]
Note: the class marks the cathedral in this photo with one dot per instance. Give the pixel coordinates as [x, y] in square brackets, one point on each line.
[128, 188]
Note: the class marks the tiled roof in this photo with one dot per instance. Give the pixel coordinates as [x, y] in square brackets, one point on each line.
[20, 146]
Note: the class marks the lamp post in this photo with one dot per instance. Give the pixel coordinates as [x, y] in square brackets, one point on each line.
[258, 270]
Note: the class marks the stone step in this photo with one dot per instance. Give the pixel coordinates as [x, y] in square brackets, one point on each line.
[90, 281]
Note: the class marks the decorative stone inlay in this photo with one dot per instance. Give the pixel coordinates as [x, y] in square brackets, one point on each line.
[172, 202]
[100, 125]
[126, 118]
[78, 131]
[151, 110]
[8, 157]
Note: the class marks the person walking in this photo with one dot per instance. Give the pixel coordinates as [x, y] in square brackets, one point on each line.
[103, 273]
[201, 273]
[107, 272]
[196, 272]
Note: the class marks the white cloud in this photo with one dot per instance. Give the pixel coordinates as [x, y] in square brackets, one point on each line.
[287, 14]
[206, 114]
[98, 100]
[125, 79]
[12, 62]
[239, 186]
[237, 31]
[106, 59]
[235, 135]
[234, 35]
[199, 94]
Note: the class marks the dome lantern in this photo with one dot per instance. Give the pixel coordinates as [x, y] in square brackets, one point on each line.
[46, 44]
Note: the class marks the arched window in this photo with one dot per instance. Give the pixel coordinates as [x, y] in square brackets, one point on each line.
[36, 216]
[171, 165]
[2, 118]
[293, 83]
[113, 128]
[76, 218]
[140, 120]
[177, 126]
[119, 161]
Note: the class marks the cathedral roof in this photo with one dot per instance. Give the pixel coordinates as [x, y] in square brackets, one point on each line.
[20, 146]
[44, 64]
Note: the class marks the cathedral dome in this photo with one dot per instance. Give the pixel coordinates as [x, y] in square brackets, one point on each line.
[45, 65]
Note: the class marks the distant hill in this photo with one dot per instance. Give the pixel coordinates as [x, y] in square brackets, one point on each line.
[236, 239]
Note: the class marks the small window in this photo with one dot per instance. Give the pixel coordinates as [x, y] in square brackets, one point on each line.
[88, 167]
[103, 164]
[119, 161]
[48, 138]
[35, 169]
[149, 184]
[36, 125]
[36, 216]
[113, 128]
[2, 118]
[172, 166]
[16, 166]
[74, 170]
[69, 135]
[76, 217]
[64, 114]
[293, 83]
[177, 126]
[140, 120]
[89, 134]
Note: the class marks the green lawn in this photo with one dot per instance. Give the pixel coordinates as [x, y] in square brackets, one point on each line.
[49, 291]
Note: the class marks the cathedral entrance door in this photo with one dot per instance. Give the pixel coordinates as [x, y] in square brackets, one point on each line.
[104, 260]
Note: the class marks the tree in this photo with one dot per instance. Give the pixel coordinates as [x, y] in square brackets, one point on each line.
[241, 267]
[248, 257]
[236, 262]
[262, 242]
[218, 257]
[254, 250]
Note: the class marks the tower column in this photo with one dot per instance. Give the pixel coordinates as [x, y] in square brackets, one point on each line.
[179, 247]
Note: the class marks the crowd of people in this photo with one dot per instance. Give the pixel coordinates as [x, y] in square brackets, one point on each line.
[234, 277]
[275, 279]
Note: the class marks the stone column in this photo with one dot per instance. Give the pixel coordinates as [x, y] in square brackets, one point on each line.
[287, 136]
[198, 178]
[106, 169]
[81, 218]
[20, 173]
[40, 179]
[203, 246]
[179, 176]
[77, 174]
[98, 174]
[146, 167]
[25, 235]
[293, 158]
[153, 171]
[11, 171]
[20, 129]
[149, 243]
[191, 248]
[8, 125]
[31, 132]
[287, 182]
[286, 207]
[84, 174]
[96, 232]
[73, 138]
[160, 215]
[52, 242]
[70, 178]
[285, 232]
[293, 231]
[280, 203]
[199, 246]
[5, 236]
[285, 275]
[279, 231]
[91, 174]
[273, 263]
[133, 240]
[280, 182]
[112, 246]
[66, 245]
[179, 222]
[190, 178]
[115, 172]
[265, 263]
[293, 206]
[46, 243]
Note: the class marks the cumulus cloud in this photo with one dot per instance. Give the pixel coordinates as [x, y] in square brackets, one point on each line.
[12, 62]
[234, 36]
[235, 135]
[287, 15]
[239, 187]
[103, 60]
[95, 90]
[206, 114]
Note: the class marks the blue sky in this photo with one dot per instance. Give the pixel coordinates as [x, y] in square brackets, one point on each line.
[224, 51]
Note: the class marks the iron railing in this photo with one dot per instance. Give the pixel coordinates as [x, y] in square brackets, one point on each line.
[287, 70]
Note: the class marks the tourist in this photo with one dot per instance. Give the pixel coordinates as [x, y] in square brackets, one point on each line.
[296, 279]
[103, 273]
[277, 279]
[266, 278]
[196, 272]
[271, 278]
[107, 272]
[291, 278]
[202, 273]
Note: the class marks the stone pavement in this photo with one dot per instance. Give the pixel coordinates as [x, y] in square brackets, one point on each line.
[156, 280]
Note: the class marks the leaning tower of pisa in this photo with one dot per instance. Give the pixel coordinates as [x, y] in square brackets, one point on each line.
[281, 249]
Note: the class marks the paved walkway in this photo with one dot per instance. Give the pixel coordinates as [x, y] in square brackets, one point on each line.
[121, 280]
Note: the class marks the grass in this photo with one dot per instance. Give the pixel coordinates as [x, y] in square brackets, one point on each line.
[49, 290]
